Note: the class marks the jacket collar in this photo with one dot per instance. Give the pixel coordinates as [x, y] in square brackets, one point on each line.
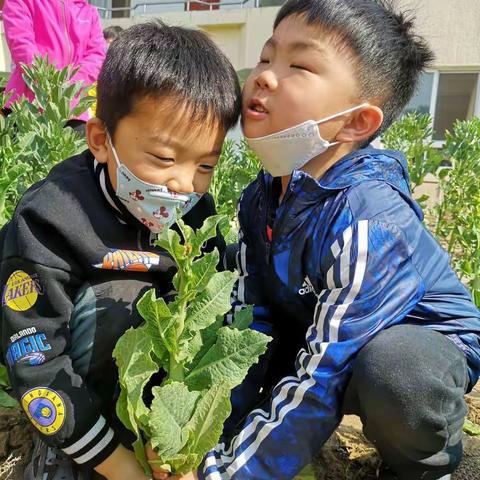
[357, 167]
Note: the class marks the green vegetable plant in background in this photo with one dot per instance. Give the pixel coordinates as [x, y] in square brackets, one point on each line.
[237, 167]
[458, 213]
[33, 138]
[201, 358]
[412, 135]
[455, 220]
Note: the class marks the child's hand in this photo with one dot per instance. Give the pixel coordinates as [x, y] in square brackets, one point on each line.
[159, 474]
[121, 464]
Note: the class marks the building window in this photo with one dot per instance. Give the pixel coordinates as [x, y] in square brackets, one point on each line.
[456, 98]
[422, 101]
[447, 96]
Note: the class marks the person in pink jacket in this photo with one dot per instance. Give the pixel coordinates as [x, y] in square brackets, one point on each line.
[68, 31]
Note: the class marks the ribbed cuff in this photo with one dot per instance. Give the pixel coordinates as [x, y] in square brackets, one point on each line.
[95, 446]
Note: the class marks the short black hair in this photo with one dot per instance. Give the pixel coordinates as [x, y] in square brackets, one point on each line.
[112, 32]
[156, 60]
[390, 57]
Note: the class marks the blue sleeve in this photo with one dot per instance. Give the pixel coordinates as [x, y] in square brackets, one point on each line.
[369, 283]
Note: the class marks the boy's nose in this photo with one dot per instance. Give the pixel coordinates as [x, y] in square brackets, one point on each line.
[267, 80]
[182, 184]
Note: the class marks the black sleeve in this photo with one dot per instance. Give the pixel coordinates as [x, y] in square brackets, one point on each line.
[39, 278]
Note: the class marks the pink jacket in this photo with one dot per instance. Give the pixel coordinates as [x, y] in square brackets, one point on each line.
[69, 31]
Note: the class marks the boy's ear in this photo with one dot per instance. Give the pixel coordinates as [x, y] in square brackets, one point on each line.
[362, 125]
[97, 139]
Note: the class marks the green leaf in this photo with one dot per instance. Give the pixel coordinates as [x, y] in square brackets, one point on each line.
[171, 409]
[471, 428]
[191, 348]
[203, 269]
[161, 323]
[127, 417]
[123, 412]
[7, 401]
[4, 380]
[213, 301]
[169, 240]
[207, 231]
[135, 367]
[229, 359]
[243, 318]
[202, 342]
[139, 450]
[206, 424]
[181, 462]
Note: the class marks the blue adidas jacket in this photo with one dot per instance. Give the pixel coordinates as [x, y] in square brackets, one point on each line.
[349, 257]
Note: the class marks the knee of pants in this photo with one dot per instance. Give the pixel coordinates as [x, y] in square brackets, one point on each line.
[410, 382]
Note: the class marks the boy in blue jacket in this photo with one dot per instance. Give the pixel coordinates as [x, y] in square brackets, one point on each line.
[367, 314]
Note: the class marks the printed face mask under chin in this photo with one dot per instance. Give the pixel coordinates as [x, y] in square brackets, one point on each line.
[283, 152]
[154, 205]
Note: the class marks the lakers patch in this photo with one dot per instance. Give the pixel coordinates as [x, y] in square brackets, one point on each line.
[128, 260]
[45, 409]
[21, 291]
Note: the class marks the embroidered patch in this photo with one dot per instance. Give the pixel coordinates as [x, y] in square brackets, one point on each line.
[21, 291]
[129, 260]
[27, 347]
[45, 409]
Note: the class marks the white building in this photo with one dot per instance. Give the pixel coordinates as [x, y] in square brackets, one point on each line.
[450, 91]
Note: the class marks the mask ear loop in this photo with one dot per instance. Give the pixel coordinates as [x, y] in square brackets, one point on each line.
[336, 115]
[115, 155]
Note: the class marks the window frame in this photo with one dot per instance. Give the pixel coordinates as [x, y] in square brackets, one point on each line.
[435, 85]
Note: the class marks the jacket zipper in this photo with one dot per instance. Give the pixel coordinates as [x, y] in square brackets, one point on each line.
[64, 15]
[268, 243]
[267, 190]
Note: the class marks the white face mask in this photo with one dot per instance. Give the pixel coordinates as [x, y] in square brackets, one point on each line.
[283, 152]
[154, 205]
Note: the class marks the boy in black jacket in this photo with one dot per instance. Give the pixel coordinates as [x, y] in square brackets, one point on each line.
[79, 250]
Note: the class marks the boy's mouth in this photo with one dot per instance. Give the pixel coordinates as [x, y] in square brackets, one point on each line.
[256, 110]
[257, 106]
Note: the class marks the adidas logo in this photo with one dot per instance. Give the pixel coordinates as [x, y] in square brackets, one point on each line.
[307, 287]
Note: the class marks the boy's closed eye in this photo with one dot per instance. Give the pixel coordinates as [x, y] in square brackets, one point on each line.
[163, 160]
[207, 168]
[301, 67]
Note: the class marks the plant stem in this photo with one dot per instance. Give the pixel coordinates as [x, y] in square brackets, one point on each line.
[176, 372]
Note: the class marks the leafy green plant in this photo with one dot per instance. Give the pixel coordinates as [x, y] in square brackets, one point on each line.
[412, 135]
[237, 167]
[458, 214]
[185, 339]
[33, 138]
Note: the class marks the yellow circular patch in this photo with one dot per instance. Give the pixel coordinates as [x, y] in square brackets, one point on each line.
[45, 409]
[21, 291]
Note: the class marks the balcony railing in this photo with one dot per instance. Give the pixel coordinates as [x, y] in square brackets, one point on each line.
[145, 8]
